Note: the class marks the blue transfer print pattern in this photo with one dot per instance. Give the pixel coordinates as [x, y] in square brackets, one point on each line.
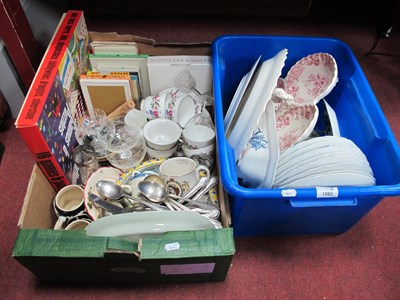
[257, 140]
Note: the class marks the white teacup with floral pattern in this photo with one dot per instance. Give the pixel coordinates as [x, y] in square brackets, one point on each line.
[181, 107]
[154, 106]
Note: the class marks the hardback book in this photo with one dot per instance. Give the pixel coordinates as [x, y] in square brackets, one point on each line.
[130, 63]
[114, 48]
[46, 119]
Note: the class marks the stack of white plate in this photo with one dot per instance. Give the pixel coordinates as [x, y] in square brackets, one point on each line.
[323, 161]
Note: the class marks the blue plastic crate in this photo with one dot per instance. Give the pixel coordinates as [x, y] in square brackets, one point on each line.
[267, 211]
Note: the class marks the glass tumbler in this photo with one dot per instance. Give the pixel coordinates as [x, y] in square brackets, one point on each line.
[84, 157]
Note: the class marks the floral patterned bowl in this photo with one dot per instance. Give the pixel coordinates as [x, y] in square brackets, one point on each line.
[311, 78]
[294, 123]
[308, 81]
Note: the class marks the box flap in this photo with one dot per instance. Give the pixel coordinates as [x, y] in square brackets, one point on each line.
[152, 47]
[66, 243]
[36, 210]
[184, 244]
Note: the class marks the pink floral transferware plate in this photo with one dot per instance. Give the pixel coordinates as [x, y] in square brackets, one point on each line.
[311, 78]
[294, 123]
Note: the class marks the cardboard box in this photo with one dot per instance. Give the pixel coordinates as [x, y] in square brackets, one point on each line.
[44, 121]
[71, 256]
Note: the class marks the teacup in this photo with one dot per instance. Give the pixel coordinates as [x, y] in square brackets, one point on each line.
[68, 204]
[154, 153]
[181, 107]
[161, 134]
[154, 106]
[198, 136]
[78, 224]
[205, 151]
[136, 118]
[183, 172]
[204, 156]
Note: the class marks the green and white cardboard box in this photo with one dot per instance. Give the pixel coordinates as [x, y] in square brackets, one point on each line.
[72, 256]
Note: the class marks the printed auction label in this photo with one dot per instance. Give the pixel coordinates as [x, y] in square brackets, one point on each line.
[327, 192]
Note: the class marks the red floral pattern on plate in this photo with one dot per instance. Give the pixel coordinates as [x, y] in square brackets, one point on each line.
[294, 123]
[311, 78]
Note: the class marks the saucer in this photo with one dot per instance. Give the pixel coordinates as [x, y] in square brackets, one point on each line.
[148, 165]
[106, 173]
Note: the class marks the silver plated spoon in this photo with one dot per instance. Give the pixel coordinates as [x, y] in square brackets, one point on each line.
[155, 189]
[114, 191]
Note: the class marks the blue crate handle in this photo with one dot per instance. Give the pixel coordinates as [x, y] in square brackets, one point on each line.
[322, 202]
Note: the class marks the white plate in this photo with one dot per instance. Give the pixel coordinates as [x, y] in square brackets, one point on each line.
[107, 173]
[269, 176]
[322, 155]
[306, 146]
[254, 101]
[239, 95]
[341, 178]
[315, 159]
[322, 169]
[332, 119]
[133, 226]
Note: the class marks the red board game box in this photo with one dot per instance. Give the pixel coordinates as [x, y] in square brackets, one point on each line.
[45, 121]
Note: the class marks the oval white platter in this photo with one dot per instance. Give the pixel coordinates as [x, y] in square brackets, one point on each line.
[135, 225]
